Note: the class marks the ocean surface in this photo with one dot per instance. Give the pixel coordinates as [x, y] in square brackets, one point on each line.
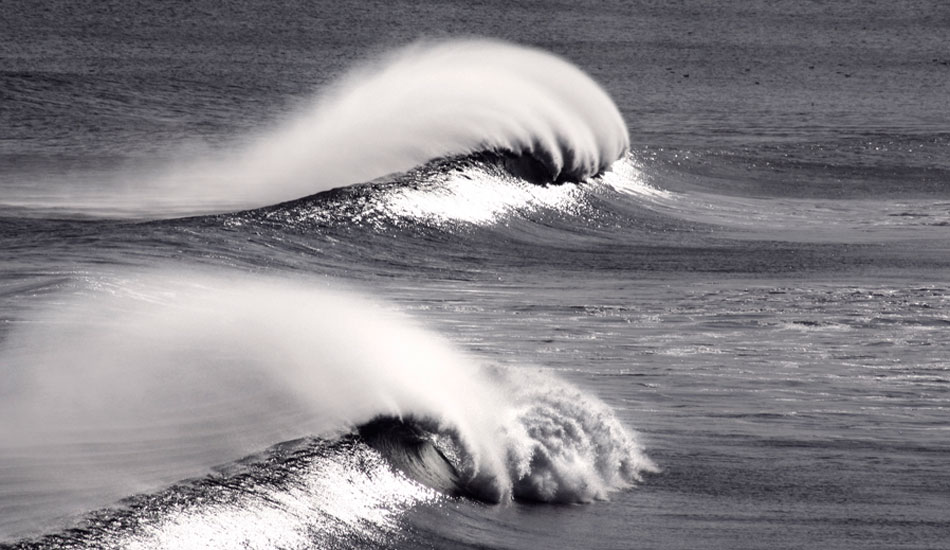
[475, 274]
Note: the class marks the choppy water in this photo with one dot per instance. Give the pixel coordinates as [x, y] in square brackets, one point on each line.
[731, 336]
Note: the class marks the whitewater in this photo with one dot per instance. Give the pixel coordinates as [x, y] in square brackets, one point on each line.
[386, 276]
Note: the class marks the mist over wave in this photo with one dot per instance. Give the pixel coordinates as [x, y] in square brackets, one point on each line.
[143, 380]
[425, 101]
[440, 99]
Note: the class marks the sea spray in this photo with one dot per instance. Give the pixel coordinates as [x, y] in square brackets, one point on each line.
[429, 100]
[146, 380]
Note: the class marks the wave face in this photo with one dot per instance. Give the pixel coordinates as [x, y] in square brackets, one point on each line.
[422, 102]
[149, 379]
[474, 190]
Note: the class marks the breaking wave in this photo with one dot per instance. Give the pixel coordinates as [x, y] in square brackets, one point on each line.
[432, 100]
[427, 101]
[136, 382]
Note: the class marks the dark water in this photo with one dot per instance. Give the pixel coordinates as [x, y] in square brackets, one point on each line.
[734, 337]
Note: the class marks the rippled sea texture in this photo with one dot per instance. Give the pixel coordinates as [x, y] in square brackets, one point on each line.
[734, 337]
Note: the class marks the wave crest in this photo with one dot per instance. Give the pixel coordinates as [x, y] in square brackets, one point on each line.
[146, 379]
[427, 101]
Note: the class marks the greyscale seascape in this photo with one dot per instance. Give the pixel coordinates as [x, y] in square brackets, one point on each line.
[599, 275]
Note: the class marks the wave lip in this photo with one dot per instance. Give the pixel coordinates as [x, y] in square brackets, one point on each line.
[435, 99]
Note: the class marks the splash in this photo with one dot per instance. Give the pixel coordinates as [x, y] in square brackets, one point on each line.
[153, 378]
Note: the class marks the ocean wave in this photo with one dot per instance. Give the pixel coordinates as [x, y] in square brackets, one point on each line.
[429, 100]
[432, 100]
[140, 380]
